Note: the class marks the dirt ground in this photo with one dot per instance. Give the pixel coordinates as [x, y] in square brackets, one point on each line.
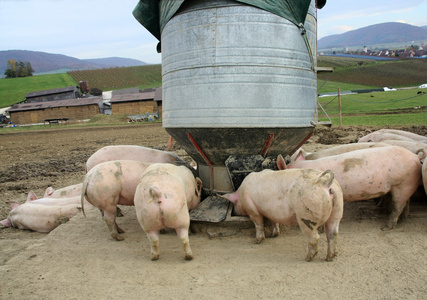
[80, 260]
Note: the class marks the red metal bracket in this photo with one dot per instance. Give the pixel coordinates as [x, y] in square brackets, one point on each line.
[268, 144]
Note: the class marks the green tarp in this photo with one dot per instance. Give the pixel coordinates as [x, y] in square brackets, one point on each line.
[154, 14]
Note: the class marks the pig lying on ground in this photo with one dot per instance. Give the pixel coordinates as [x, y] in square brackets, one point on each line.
[42, 215]
[163, 198]
[66, 192]
[109, 184]
[315, 198]
[371, 173]
[414, 147]
[131, 152]
[424, 175]
[335, 150]
[411, 135]
[378, 136]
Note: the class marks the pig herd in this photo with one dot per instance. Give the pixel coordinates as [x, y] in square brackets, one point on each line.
[311, 189]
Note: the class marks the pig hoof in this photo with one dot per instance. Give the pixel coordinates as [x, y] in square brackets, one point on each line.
[118, 237]
[188, 256]
[330, 257]
[155, 257]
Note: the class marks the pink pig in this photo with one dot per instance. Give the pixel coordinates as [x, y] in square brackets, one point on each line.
[65, 192]
[371, 173]
[408, 134]
[131, 152]
[163, 198]
[424, 175]
[40, 218]
[109, 184]
[315, 198]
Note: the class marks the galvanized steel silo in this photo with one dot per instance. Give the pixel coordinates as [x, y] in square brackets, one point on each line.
[237, 80]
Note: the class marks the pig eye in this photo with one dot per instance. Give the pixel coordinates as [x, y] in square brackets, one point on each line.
[331, 191]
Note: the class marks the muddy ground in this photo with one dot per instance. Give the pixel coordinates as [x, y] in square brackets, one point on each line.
[79, 259]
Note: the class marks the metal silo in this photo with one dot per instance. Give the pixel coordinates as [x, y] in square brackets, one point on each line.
[238, 80]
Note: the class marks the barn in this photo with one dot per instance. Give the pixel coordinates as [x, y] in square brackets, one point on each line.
[38, 112]
[146, 101]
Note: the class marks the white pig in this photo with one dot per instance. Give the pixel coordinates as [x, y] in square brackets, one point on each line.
[414, 147]
[408, 134]
[313, 197]
[424, 175]
[132, 152]
[371, 173]
[65, 192]
[109, 184]
[163, 198]
[335, 150]
[40, 218]
[378, 136]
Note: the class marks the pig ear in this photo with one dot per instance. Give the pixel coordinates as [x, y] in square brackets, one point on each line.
[198, 186]
[6, 222]
[281, 164]
[300, 156]
[326, 178]
[31, 196]
[13, 205]
[48, 192]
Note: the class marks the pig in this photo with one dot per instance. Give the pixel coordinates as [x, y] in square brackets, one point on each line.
[411, 135]
[313, 197]
[40, 218]
[414, 147]
[378, 136]
[111, 183]
[424, 175]
[131, 152]
[370, 173]
[336, 150]
[61, 201]
[163, 198]
[66, 192]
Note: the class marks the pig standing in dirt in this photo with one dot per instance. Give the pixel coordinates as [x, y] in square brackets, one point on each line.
[131, 152]
[335, 150]
[65, 192]
[109, 184]
[313, 197]
[371, 173]
[415, 147]
[163, 198]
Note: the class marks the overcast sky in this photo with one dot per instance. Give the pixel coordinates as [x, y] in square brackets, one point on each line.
[107, 28]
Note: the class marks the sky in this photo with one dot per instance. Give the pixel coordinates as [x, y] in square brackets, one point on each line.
[106, 28]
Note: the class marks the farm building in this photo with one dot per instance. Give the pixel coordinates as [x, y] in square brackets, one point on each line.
[147, 101]
[75, 109]
[70, 92]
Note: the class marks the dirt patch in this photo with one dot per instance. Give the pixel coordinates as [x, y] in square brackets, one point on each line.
[79, 260]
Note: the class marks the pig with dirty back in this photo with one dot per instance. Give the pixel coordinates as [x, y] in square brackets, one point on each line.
[163, 198]
[111, 183]
[370, 173]
[65, 192]
[314, 198]
[133, 152]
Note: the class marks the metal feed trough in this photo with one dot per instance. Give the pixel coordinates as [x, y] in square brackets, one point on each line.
[239, 85]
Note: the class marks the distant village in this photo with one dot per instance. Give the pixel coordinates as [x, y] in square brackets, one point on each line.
[410, 52]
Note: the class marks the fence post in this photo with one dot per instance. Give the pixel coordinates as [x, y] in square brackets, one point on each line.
[339, 105]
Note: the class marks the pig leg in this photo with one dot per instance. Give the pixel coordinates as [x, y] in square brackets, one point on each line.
[399, 202]
[153, 237]
[183, 235]
[332, 236]
[257, 218]
[309, 229]
[110, 219]
[275, 229]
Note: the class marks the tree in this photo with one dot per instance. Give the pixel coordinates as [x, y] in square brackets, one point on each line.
[18, 69]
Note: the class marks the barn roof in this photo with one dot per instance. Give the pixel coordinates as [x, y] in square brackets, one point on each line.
[52, 91]
[53, 104]
[143, 96]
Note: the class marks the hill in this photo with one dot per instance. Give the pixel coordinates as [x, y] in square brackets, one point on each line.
[384, 33]
[43, 62]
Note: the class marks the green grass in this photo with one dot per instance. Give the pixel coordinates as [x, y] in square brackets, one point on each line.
[13, 90]
[402, 107]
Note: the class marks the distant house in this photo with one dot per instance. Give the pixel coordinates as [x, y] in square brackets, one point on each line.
[70, 92]
[38, 112]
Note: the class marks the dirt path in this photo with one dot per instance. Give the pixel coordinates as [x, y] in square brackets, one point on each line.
[79, 260]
